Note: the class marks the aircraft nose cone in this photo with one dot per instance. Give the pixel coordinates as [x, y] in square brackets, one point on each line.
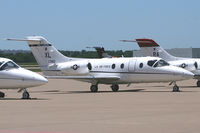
[180, 73]
[40, 79]
[188, 74]
[184, 73]
[29, 78]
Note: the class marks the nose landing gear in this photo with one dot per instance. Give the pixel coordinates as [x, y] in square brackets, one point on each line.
[176, 87]
[198, 83]
[25, 94]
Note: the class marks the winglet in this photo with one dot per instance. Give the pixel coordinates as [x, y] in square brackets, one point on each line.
[146, 43]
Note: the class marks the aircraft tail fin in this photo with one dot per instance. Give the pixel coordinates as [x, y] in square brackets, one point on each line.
[45, 54]
[101, 52]
[150, 48]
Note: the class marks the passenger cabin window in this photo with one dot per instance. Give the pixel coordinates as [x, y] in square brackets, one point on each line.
[122, 66]
[141, 65]
[9, 65]
[161, 63]
[89, 66]
[113, 66]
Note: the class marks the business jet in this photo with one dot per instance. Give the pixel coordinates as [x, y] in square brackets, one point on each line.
[12, 76]
[150, 48]
[113, 71]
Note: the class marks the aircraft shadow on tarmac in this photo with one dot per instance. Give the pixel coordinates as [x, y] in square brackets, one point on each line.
[189, 87]
[49, 91]
[179, 86]
[158, 86]
[77, 92]
[120, 91]
[23, 99]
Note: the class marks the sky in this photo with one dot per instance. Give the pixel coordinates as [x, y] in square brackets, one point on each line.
[76, 24]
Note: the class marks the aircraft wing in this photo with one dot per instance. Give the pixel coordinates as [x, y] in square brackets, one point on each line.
[85, 77]
[100, 79]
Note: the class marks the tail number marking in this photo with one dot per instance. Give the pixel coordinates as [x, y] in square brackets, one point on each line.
[47, 55]
[155, 53]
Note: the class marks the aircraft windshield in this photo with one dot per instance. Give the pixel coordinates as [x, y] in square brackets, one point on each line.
[9, 65]
[1, 63]
[151, 62]
[161, 63]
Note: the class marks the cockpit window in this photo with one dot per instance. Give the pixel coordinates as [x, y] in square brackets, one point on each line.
[161, 63]
[9, 65]
[151, 62]
[1, 63]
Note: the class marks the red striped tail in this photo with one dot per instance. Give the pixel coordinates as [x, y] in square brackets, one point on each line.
[146, 43]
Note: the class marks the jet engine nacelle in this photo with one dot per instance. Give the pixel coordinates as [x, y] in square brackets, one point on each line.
[75, 67]
[190, 65]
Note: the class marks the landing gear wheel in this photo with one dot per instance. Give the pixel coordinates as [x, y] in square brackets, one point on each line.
[94, 88]
[198, 83]
[25, 95]
[176, 88]
[115, 88]
[2, 95]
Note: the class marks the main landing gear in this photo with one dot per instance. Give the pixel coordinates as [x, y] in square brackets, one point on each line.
[25, 94]
[2, 95]
[198, 83]
[115, 87]
[94, 88]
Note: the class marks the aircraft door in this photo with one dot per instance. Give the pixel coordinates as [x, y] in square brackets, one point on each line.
[131, 65]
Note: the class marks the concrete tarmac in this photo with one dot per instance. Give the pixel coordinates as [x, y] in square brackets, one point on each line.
[67, 106]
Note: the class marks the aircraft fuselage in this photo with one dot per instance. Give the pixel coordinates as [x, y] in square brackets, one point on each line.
[129, 70]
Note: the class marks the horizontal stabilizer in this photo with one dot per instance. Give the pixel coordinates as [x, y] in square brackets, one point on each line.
[13, 39]
[128, 40]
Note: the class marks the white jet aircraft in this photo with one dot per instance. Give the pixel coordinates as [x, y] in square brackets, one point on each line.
[112, 71]
[150, 48]
[12, 76]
